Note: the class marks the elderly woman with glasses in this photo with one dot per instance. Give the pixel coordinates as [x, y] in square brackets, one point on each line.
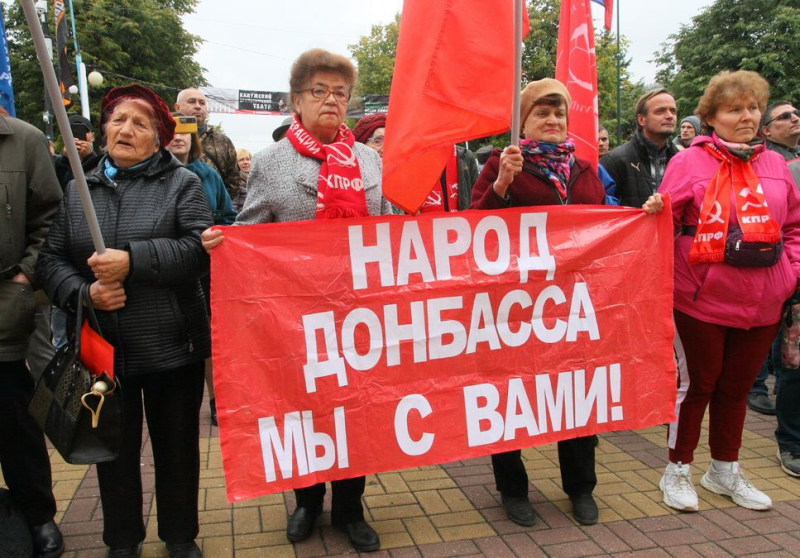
[371, 130]
[289, 182]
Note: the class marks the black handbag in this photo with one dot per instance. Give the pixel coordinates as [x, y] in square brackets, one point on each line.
[79, 412]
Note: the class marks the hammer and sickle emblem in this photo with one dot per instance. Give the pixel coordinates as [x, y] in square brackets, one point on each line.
[714, 217]
[434, 198]
[748, 194]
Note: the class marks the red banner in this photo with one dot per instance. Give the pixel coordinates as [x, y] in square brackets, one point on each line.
[576, 68]
[349, 347]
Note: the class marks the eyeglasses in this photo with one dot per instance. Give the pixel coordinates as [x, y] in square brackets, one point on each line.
[320, 92]
[376, 140]
[784, 116]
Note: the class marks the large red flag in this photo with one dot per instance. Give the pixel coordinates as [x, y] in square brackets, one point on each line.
[453, 81]
[576, 67]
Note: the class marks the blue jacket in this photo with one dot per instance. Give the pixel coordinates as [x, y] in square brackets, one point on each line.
[219, 201]
[608, 184]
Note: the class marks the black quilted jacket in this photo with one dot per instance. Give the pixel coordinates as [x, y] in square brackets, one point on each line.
[157, 213]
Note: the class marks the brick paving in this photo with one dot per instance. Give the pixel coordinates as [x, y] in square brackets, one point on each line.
[453, 509]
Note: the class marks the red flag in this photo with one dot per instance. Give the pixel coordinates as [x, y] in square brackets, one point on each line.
[576, 68]
[453, 81]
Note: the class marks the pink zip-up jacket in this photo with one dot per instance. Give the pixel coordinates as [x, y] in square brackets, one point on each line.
[718, 293]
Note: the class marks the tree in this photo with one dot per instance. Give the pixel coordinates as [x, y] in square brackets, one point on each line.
[375, 53]
[140, 41]
[734, 35]
[374, 56]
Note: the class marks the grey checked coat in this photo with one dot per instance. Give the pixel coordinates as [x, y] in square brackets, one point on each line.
[282, 185]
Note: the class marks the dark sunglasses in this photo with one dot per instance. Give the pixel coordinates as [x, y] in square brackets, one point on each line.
[784, 116]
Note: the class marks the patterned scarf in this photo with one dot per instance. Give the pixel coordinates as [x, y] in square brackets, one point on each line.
[751, 206]
[340, 189]
[553, 160]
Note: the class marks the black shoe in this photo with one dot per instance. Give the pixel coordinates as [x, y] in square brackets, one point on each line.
[301, 523]
[184, 550]
[362, 536]
[761, 403]
[47, 540]
[125, 552]
[519, 510]
[584, 509]
[212, 403]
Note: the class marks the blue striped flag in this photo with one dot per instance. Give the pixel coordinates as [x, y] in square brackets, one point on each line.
[6, 91]
[609, 6]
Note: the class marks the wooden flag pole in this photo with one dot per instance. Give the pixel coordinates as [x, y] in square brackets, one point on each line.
[54, 92]
[515, 124]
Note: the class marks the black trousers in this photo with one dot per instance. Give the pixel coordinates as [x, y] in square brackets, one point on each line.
[575, 457]
[172, 406]
[23, 453]
[346, 504]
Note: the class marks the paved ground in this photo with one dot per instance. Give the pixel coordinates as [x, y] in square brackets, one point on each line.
[453, 509]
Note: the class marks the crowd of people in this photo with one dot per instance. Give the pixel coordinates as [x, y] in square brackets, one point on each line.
[731, 171]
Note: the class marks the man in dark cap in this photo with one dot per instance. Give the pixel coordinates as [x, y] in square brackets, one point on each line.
[84, 142]
[280, 132]
[482, 155]
[689, 129]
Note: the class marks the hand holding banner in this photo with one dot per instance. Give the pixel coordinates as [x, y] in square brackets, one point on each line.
[349, 347]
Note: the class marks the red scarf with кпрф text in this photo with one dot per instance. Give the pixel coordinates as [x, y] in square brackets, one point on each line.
[751, 206]
[340, 189]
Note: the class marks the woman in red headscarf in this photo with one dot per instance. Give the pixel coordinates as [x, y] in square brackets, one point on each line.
[146, 290]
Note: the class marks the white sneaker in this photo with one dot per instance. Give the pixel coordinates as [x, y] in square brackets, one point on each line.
[733, 483]
[676, 484]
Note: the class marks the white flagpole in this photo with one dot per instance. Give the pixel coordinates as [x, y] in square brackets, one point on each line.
[515, 125]
[51, 84]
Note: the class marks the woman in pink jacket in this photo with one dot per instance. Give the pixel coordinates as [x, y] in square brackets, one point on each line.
[737, 259]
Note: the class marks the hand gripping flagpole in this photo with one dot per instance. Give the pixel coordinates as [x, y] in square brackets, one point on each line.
[515, 127]
[54, 92]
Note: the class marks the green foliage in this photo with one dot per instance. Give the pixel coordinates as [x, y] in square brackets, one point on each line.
[539, 55]
[126, 41]
[734, 35]
[374, 55]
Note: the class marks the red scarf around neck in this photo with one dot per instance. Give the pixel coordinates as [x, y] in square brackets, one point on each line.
[340, 189]
[751, 208]
[435, 201]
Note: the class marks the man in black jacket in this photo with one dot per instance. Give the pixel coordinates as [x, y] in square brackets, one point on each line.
[638, 165]
[780, 124]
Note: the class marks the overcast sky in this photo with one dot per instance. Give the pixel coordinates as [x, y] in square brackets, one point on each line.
[250, 44]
